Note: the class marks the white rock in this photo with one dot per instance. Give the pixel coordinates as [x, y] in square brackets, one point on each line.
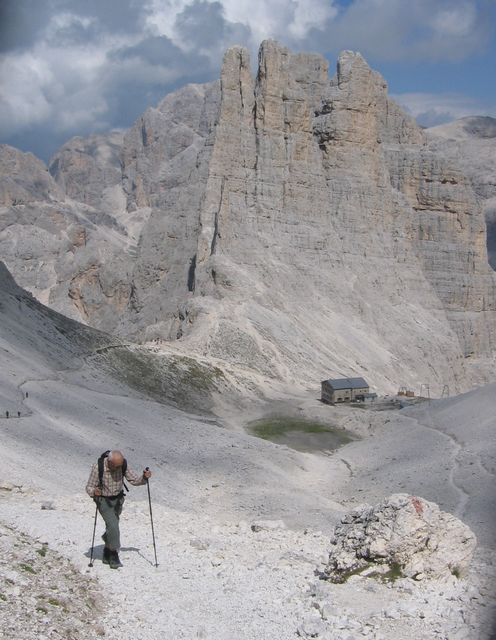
[402, 532]
[197, 543]
[311, 628]
[267, 525]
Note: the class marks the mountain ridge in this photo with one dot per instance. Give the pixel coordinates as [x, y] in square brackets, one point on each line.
[295, 224]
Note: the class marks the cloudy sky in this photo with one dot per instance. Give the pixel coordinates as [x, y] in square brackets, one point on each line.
[72, 67]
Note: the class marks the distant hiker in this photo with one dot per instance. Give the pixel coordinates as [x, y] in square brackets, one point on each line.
[105, 486]
[18, 414]
[6, 414]
[27, 394]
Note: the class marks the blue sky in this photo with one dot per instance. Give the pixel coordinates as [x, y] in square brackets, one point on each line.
[73, 67]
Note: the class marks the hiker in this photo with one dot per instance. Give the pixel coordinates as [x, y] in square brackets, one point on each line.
[105, 486]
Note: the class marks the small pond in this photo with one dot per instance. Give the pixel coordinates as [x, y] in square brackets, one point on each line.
[299, 434]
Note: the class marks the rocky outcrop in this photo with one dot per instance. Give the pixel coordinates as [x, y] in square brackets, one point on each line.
[24, 179]
[55, 246]
[407, 535]
[89, 170]
[290, 223]
[165, 161]
[471, 143]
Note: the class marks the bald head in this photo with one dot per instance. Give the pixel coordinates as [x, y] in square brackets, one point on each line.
[115, 459]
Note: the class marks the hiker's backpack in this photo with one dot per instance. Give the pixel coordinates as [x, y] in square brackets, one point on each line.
[104, 455]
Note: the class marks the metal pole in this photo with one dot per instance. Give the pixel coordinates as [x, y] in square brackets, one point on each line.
[151, 519]
[93, 541]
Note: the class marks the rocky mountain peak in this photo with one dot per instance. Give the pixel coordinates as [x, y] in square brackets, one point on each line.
[351, 66]
[289, 223]
[24, 178]
[480, 126]
[87, 169]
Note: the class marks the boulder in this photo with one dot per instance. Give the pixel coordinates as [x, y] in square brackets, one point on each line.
[411, 535]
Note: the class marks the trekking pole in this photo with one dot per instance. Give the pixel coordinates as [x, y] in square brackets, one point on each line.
[93, 541]
[151, 519]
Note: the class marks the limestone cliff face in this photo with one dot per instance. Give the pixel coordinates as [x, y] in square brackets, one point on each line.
[24, 179]
[471, 143]
[331, 233]
[89, 170]
[69, 254]
[165, 161]
[290, 224]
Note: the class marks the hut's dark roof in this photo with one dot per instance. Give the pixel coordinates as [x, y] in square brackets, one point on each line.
[347, 383]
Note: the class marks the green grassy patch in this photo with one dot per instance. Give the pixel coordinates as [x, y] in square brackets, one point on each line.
[27, 567]
[167, 378]
[299, 433]
[395, 573]
[278, 426]
[3, 597]
[43, 551]
[339, 577]
[41, 610]
[54, 602]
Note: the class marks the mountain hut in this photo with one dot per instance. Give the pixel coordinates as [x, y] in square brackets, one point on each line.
[344, 390]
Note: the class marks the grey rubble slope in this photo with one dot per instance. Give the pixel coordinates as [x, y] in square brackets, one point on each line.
[291, 224]
[75, 409]
[39, 343]
[443, 451]
[219, 475]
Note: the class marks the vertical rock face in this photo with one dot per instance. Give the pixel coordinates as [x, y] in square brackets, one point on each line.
[289, 223]
[69, 254]
[89, 170]
[165, 163]
[24, 179]
[331, 234]
[471, 142]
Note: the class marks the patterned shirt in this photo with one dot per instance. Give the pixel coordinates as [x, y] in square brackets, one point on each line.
[112, 480]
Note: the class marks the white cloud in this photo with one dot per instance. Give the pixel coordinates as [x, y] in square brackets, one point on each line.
[265, 19]
[65, 20]
[60, 86]
[394, 30]
[161, 17]
[96, 64]
[283, 19]
[431, 109]
[279, 18]
[46, 84]
[310, 14]
[21, 92]
[455, 21]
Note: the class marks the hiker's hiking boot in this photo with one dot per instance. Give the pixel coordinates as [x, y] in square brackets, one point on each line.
[106, 555]
[114, 562]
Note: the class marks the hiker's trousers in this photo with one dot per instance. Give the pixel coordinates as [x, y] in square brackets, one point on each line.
[110, 509]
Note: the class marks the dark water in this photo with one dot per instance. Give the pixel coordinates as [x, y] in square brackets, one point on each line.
[302, 435]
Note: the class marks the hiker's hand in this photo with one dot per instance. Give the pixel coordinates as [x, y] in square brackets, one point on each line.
[147, 474]
[97, 492]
